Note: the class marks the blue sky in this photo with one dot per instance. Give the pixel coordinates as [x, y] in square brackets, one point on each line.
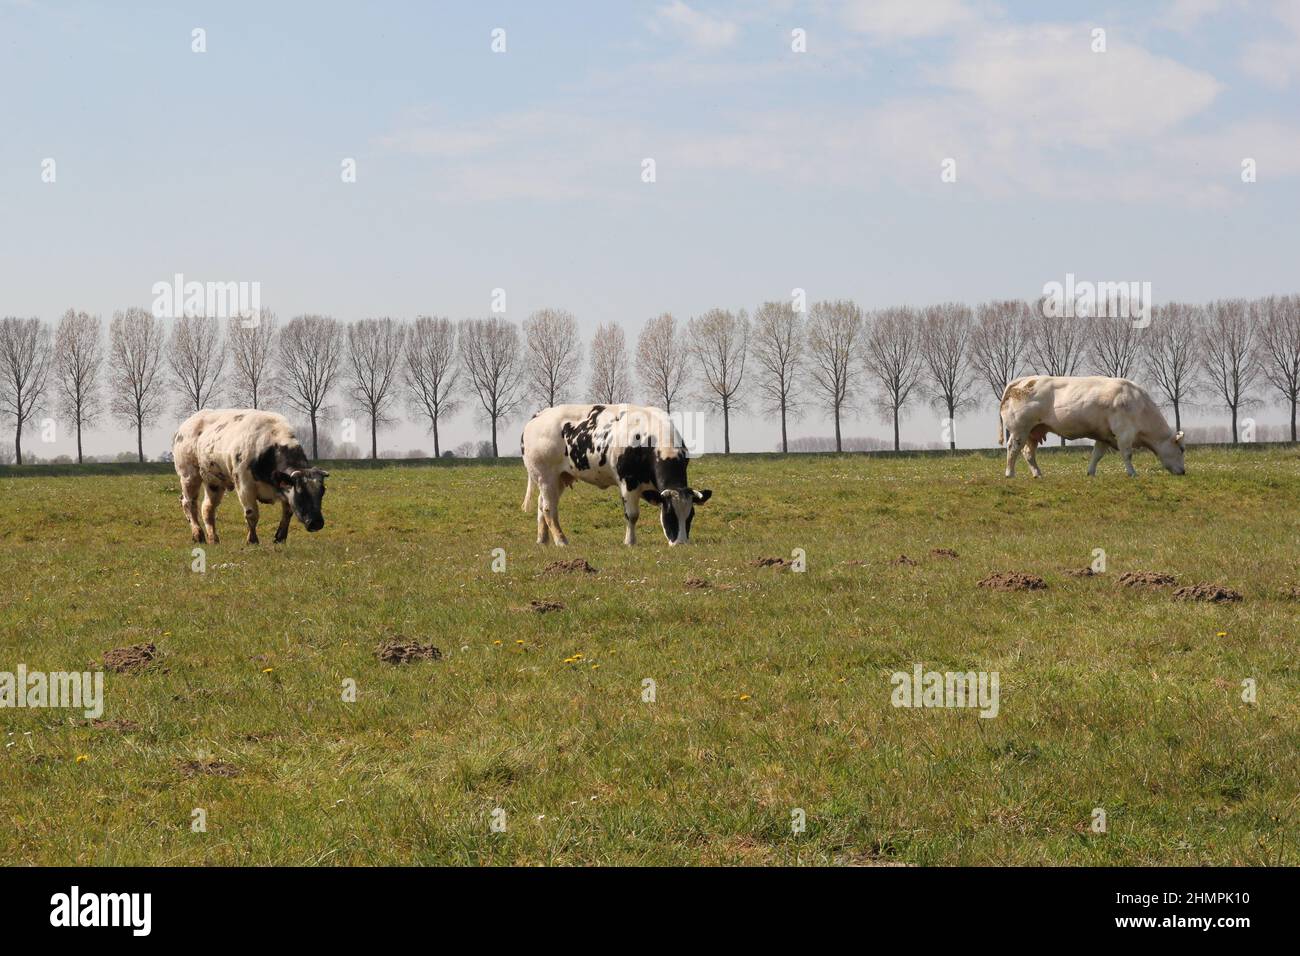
[521, 170]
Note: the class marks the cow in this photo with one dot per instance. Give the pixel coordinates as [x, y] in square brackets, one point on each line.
[632, 446]
[254, 454]
[1113, 412]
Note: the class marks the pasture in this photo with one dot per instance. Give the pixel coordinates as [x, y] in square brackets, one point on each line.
[772, 687]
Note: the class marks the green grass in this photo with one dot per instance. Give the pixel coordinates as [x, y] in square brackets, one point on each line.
[1110, 698]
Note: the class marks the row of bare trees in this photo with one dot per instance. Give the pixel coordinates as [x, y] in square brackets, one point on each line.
[835, 358]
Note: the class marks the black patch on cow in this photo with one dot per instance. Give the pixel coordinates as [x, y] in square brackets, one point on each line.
[579, 438]
[690, 516]
[635, 467]
[277, 458]
[670, 520]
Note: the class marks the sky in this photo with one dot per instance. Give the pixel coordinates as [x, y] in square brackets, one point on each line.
[521, 170]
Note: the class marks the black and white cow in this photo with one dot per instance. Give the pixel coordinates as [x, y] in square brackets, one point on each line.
[254, 454]
[632, 446]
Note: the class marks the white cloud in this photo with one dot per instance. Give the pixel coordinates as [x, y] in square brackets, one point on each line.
[885, 20]
[1275, 61]
[698, 29]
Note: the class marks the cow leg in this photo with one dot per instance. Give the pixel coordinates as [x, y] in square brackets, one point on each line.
[550, 499]
[1098, 450]
[631, 511]
[212, 496]
[1013, 449]
[543, 532]
[247, 493]
[1031, 446]
[190, 505]
[286, 515]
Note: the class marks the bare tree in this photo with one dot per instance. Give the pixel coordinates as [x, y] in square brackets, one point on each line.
[1171, 353]
[1058, 344]
[430, 371]
[610, 381]
[491, 356]
[310, 352]
[719, 344]
[197, 356]
[949, 378]
[1229, 356]
[1279, 348]
[553, 355]
[136, 383]
[78, 358]
[374, 361]
[661, 361]
[252, 356]
[835, 332]
[778, 346]
[998, 343]
[893, 358]
[25, 359]
[1115, 346]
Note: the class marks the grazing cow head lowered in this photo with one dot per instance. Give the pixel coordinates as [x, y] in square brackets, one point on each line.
[676, 510]
[302, 489]
[1170, 453]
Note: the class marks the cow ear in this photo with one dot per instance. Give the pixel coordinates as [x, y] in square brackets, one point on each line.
[323, 472]
[652, 496]
[282, 479]
[1179, 438]
[703, 495]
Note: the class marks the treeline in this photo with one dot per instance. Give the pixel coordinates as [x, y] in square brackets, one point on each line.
[782, 362]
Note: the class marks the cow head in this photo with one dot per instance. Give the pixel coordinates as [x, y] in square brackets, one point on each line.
[1170, 453]
[676, 510]
[303, 489]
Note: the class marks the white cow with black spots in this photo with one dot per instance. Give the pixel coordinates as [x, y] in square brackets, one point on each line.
[632, 446]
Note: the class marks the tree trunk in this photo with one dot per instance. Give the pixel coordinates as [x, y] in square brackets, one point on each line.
[139, 440]
[436, 453]
[1178, 417]
[80, 462]
[897, 444]
[952, 427]
[374, 438]
[838, 444]
[726, 429]
[785, 444]
[18, 444]
[494, 437]
[315, 448]
[1293, 405]
[1234, 424]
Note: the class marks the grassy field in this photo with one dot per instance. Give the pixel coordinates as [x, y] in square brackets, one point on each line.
[772, 687]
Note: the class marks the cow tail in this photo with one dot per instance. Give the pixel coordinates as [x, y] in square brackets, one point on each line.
[528, 493]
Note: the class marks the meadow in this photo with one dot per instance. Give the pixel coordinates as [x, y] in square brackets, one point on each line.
[531, 741]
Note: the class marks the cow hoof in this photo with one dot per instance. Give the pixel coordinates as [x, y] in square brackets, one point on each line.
[253, 540]
[281, 538]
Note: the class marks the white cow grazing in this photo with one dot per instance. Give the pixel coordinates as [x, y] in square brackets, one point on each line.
[254, 454]
[632, 446]
[1113, 412]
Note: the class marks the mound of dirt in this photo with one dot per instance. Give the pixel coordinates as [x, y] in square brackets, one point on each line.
[1214, 593]
[1081, 573]
[943, 553]
[1013, 581]
[904, 561]
[698, 584]
[542, 607]
[130, 660]
[569, 567]
[768, 563]
[404, 652]
[208, 768]
[1147, 579]
[120, 724]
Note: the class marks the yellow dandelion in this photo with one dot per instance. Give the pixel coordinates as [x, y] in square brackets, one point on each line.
[744, 697]
[82, 758]
[496, 643]
[594, 666]
[267, 670]
[520, 641]
[1222, 634]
